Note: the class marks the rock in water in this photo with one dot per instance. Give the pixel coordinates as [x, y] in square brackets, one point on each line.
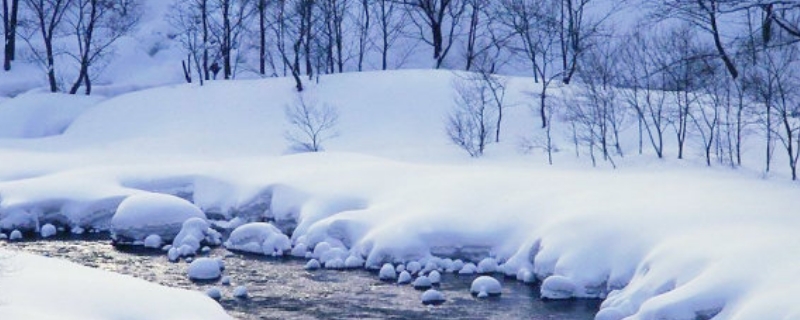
[214, 293]
[153, 241]
[432, 296]
[48, 230]
[488, 265]
[141, 215]
[422, 283]
[205, 269]
[387, 272]
[435, 277]
[15, 235]
[240, 292]
[313, 264]
[404, 278]
[558, 287]
[485, 286]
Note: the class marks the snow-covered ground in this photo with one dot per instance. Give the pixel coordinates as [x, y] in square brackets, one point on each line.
[35, 287]
[657, 239]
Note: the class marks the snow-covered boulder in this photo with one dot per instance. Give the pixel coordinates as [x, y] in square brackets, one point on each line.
[435, 277]
[194, 233]
[259, 237]
[141, 215]
[422, 283]
[404, 278]
[387, 272]
[313, 264]
[487, 265]
[526, 276]
[413, 267]
[214, 293]
[335, 264]
[205, 269]
[47, 231]
[299, 250]
[153, 241]
[15, 235]
[432, 296]
[458, 264]
[558, 287]
[468, 268]
[226, 281]
[485, 286]
[353, 262]
[240, 292]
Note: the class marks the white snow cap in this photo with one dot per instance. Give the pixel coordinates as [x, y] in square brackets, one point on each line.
[259, 237]
[205, 269]
[485, 286]
[432, 296]
[387, 272]
[141, 215]
[48, 230]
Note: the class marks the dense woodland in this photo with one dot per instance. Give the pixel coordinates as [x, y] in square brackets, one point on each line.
[715, 71]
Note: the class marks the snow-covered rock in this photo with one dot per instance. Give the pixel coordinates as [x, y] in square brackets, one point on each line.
[335, 264]
[299, 250]
[240, 292]
[204, 269]
[153, 241]
[225, 281]
[400, 268]
[387, 272]
[3, 236]
[353, 262]
[485, 286]
[435, 277]
[432, 296]
[413, 267]
[214, 293]
[558, 287]
[320, 249]
[526, 276]
[404, 278]
[77, 230]
[422, 283]
[259, 237]
[313, 264]
[173, 254]
[487, 265]
[430, 266]
[141, 215]
[458, 264]
[48, 230]
[468, 268]
[15, 235]
[194, 233]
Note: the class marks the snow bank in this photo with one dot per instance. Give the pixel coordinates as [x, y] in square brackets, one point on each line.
[43, 288]
[260, 238]
[142, 215]
[36, 115]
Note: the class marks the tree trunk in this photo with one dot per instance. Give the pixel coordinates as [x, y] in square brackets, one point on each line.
[10, 28]
[204, 17]
[262, 28]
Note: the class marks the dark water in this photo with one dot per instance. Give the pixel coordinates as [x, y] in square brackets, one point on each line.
[282, 289]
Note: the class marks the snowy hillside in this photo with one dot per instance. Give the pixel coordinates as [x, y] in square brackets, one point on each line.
[658, 240]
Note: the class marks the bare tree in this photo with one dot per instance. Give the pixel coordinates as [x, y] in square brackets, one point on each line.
[10, 22]
[390, 26]
[96, 25]
[188, 19]
[233, 17]
[470, 125]
[47, 18]
[310, 124]
[438, 22]
[261, 8]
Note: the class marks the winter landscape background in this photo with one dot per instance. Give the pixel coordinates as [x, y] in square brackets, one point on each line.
[642, 153]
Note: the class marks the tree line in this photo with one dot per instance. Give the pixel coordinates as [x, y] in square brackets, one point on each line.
[712, 71]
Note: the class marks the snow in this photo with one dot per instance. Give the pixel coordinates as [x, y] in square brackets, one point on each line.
[422, 283]
[240, 292]
[43, 288]
[652, 238]
[36, 115]
[487, 265]
[153, 241]
[353, 262]
[204, 269]
[484, 286]
[141, 215]
[15, 235]
[435, 277]
[48, 230]
[313, 264]
[214, 293]
[432, 296]
[387, 272]
[260, 238]
[194, 233]
[404, 277]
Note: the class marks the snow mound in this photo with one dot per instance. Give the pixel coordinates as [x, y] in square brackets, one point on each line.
[313, 264]
[141, 215]
[558, 287]
[414, 267]
[422, 283]
[240, 292]
[485, 286]
[15, 235]
[435, 277]
[404, 277]
[194, 233]
[214, 293]
[353, 262]
[48, 230]
[387, 272]
[468, 268]
[36, 115]
[153, 241]
[259, 237]
[487, 265]
[204, 269]
[432, 296]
